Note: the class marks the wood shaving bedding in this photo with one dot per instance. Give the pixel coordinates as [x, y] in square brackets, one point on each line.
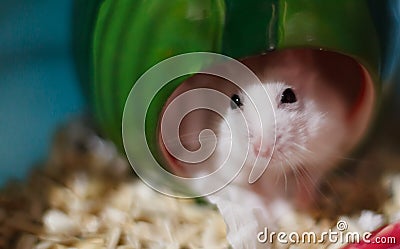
[86, 196]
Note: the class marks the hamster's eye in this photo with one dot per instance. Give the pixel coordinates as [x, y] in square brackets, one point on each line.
[236, 102]
[288, 96]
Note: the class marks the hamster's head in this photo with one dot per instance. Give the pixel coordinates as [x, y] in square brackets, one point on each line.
[285, 131]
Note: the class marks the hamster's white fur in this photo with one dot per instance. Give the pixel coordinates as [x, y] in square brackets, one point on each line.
[298, 141]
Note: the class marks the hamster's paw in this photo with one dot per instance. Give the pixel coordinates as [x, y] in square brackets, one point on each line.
[243, 225]
[245, 215]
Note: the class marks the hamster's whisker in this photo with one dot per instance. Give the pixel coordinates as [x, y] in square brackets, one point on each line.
[303, 148]
[301, 174]
[307, 157]
[292, 167]
[349, 159]
[312, 184]
[278, 177]
[313, 165]
[335, 155]
[309, 176]
[300, 155]
[339, 156]
[284, 175]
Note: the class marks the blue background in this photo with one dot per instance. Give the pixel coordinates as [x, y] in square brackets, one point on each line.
[38, 85]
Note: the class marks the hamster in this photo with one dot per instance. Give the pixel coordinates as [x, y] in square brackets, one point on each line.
[297, 134]
[299, 139]
[289, 140]
[294, 135]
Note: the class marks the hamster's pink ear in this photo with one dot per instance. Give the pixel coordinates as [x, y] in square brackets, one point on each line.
[355, 85]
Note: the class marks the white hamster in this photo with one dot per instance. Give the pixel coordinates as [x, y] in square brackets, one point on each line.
[302, 128]
[300, 132]
[307, 143]
[294, 134]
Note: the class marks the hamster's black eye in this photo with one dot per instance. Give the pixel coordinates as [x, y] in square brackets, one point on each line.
[288, 96]
[236, 102]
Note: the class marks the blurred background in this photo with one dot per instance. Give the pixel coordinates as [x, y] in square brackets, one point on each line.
[39, 88]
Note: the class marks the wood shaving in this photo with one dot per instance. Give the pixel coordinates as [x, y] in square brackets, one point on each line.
[86, 196]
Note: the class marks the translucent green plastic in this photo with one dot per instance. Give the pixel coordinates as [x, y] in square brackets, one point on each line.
[130, 36]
